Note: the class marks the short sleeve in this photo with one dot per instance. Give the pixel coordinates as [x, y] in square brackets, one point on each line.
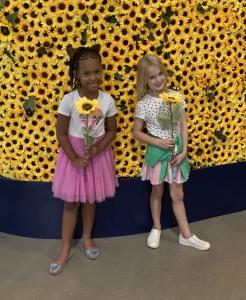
[65, 107]
[183, 102]
[111, 108]
[140, 111]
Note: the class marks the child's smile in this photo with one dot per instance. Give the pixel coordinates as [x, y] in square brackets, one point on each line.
[89, 75]
[156, 80]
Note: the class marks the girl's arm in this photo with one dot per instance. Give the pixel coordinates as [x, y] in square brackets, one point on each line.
[146, 138]
[62, 137]
[111, 129]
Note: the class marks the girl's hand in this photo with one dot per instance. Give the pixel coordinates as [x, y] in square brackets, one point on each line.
[176, 160]
[165, 143]
[93, 150]
[81, 162]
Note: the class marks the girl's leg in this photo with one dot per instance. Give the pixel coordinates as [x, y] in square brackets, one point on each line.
[155, 204]
[68, 223]
[153, 239]
[186, 237]
[88, 216]
[177, 196]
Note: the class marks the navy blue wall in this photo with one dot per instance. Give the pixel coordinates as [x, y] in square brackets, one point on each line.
[28, 208]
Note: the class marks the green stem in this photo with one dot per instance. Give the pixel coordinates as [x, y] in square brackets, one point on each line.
[87, 130]
[171, 117]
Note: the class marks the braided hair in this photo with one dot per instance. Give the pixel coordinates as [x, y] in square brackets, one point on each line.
[77, 54]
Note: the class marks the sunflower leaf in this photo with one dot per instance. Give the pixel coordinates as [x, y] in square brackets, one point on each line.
[172, 86]
[6, 51]
[127, 68]
[151, 37]
[165, 37]
[84, 36]
[209, 91]
[85, 19]
[29, 105]
[12, 17]
[118, 76]
[169, 73]
[111, 19]
[123, 107]
[176, 108]
[89, 139]
[42, 50]
[220, 135]
[150, 25]
[202, 8]
[159, 49]
[164, 122]
[178, 78]
[167, 15]
[1, 4]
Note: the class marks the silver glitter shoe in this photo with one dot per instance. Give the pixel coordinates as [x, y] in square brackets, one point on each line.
[56, 268]
[92, 253]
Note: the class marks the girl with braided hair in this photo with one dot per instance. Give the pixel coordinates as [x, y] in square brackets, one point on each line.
[85, 173]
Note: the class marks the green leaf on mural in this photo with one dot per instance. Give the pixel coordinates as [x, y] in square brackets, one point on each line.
[172, 86]
[42, 50]
[29, 105]
[169, 73]
[123, 107]
[178, 78]
[111, 19]
[167, 15]
[12, 17]
[159, 49]
[209, 91]
[118, 76]
[6, 52]
[202, 8]
[84, 36]
[136, 38]
[1, 4]
[220, 135]
[165, 37]
[150, 25]
[85, 19]
[167, 55]
[127, 68]
[151, 37]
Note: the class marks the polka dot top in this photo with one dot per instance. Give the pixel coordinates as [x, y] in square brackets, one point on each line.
[150, 108]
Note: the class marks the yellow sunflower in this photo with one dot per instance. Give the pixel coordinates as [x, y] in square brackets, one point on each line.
[86, 106]
[173, 98]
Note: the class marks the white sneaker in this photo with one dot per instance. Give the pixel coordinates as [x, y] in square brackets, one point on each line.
[195, 242]
[153, 239]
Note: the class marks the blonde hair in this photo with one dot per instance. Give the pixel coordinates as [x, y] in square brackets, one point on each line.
[142, 73]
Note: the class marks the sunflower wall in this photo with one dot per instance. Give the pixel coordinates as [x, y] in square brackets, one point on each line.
[200, 42]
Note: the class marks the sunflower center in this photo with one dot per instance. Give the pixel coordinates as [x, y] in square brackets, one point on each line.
[87, 106]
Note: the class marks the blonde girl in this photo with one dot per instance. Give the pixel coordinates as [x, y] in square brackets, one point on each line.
[166, 155]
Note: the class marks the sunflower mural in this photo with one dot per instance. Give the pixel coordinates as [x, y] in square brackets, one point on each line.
[201, 43]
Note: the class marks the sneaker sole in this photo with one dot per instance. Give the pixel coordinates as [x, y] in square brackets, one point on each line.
[153, 247]
[189, 245]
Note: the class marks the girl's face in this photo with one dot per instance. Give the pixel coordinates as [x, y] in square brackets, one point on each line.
[89, 74]
[156, 80]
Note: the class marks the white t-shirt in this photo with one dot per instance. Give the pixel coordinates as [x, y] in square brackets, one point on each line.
[149, 108]
[67, 108]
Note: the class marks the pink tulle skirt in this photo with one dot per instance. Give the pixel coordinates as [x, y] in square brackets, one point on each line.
[94, 183]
